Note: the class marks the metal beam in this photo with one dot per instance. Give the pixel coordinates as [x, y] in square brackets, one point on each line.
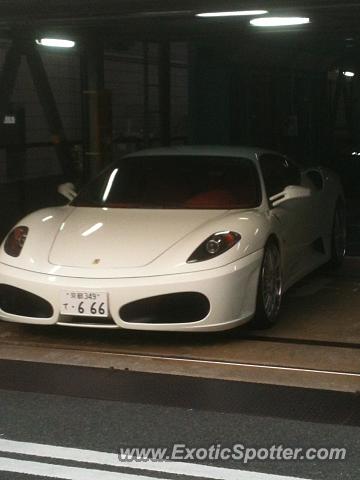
[49, 106]
[95, 104]
[356, 111]
[165, 93]
[8, 78]
[85, 127]
[146, 77]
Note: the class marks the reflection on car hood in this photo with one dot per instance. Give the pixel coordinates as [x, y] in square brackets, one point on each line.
[122, 238]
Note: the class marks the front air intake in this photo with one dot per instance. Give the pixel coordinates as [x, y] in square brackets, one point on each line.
[25, 304]
[185, 307]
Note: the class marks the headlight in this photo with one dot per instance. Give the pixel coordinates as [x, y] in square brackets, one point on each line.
[214, 246]
[15, 241]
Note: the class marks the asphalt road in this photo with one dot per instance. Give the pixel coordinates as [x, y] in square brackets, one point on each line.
[55, 436]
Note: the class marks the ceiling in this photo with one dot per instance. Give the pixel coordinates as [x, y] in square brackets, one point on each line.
[172, 17]
[334, 31]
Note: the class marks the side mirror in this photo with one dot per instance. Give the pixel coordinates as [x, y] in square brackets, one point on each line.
[67, 190]
[291, 192]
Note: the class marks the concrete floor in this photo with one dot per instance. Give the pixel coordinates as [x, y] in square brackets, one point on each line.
[315, 344]
[35, 425]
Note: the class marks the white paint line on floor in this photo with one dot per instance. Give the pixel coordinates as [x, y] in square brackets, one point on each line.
[111, 459]
[61, 471]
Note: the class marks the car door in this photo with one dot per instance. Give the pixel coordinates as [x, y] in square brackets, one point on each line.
[293, 216]
[313, 178]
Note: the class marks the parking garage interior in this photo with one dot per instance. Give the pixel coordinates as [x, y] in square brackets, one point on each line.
[146, 74]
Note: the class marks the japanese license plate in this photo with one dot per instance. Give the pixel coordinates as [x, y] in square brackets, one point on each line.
[84, 304]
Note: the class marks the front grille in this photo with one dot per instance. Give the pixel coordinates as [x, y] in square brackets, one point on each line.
[184, 307]
[25, 304]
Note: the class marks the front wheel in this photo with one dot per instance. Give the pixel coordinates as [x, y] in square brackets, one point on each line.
[270, 288]
[338, 239]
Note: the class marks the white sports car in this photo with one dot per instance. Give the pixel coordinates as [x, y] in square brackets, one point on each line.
[175, 239]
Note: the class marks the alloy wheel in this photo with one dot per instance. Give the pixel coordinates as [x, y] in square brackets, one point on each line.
[271, 282]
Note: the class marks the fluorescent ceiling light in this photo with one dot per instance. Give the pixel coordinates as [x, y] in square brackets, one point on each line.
[240, 13]
[349, 74]
[56, 42]
[279, 21]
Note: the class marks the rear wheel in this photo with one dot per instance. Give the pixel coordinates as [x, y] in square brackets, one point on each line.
[338, 239]
[270, 288]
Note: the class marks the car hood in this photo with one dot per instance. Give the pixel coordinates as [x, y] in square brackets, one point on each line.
[122, 238]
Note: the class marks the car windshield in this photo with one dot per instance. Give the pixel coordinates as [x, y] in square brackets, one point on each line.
[175, 182]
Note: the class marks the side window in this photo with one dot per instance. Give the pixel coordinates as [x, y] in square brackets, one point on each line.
[293, 175]
[278, 173]
[316, 179]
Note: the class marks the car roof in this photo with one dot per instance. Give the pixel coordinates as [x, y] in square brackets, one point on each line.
[208, 150]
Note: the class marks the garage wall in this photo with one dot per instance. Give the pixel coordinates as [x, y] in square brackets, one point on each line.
[240, 99]
[179, 92]
[62, 71]
[64, 78]
[123, 76]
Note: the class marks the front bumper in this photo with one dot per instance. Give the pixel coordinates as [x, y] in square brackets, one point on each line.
[231, 291]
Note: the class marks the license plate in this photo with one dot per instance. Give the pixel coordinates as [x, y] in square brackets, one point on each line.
[84, 304]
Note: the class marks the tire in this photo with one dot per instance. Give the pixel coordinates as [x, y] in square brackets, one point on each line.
[270, 288]
[338, 236]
